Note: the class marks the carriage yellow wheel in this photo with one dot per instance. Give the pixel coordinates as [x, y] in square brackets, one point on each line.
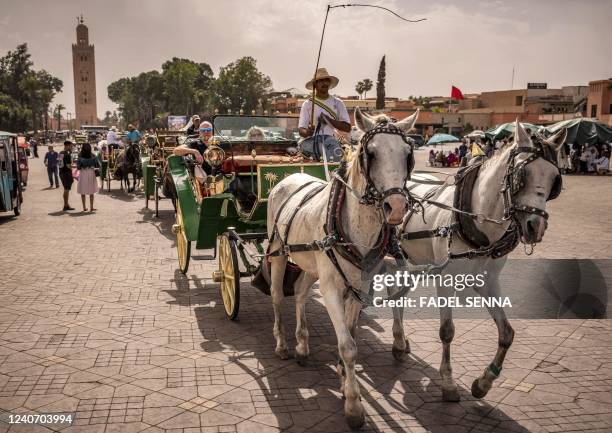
[228, 276]
[183, 246]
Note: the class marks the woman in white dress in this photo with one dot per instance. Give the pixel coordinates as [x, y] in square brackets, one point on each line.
[87, 163]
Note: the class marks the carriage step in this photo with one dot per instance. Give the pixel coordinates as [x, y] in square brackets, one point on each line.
[203, 257]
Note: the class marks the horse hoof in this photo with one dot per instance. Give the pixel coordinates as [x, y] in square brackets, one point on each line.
[302, 360]
[356, 421]
[282, 354]
[398, 354]
[451, 394]
[477, 391]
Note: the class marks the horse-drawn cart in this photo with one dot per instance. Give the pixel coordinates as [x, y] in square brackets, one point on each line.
[159, 147]
[226, 212]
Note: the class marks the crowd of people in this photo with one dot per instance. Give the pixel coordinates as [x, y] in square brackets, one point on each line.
[572, 159]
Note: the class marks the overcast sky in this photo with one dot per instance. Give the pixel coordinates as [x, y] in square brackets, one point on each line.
[471, 44]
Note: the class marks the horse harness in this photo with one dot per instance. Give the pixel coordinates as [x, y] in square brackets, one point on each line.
[464, 221]
[336, 241]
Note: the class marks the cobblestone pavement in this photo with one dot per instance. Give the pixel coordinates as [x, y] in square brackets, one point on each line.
[95, 320]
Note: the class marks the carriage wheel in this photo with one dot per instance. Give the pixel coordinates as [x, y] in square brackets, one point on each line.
[228, 276]
[183, 246]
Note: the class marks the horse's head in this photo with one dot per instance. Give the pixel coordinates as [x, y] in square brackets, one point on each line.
[534, 179]
[385, 156]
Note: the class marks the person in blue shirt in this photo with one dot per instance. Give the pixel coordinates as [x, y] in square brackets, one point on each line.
[133, 135]
[52, 168]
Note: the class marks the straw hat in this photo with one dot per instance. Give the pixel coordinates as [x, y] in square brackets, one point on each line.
[321, 75]
[113, 128]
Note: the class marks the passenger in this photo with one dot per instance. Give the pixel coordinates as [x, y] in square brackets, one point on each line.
[255, 133]
[198, 147]
[112, 139]
[195, 125]
[329, 108]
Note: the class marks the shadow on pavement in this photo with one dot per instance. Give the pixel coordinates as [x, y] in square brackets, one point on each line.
[163, 224]
[397, 396]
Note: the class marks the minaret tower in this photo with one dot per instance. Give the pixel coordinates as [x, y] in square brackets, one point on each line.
[84, 71]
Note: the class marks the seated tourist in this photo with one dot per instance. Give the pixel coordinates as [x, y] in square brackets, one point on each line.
[603, 164]
[255, 133]
[197, 147]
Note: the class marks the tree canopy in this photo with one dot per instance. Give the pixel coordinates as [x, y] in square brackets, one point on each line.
[25, 94]
[187, 87]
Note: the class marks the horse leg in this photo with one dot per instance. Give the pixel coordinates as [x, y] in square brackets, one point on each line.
[450, 392]
[302, 290]
[277, 272]
[482, 384]
[401, 345]
[347, 349]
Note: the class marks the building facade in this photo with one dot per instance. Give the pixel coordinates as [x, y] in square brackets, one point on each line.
[599, 102]
[84, 72]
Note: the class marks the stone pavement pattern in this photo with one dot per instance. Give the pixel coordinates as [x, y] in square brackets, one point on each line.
[96, 320]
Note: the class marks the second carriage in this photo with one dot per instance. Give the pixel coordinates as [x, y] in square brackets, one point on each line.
[226, 212]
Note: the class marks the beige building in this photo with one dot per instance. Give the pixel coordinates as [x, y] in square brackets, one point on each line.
[84, 72]
[599, 102]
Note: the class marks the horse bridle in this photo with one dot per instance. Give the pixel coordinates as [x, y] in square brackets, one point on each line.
[514, 180]
[372, 196]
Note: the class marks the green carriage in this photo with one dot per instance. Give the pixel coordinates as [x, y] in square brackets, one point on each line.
[226, 213]
[156, 150]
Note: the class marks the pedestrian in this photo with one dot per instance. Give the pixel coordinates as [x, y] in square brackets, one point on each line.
[64, 163]
[34, 146]
[432, 157]
[88, 185]
[603, 164]
[51, 164]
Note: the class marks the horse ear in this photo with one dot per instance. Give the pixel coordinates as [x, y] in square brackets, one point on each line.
[521, 138]
[407, 123]
[556, 141]
[363, 122]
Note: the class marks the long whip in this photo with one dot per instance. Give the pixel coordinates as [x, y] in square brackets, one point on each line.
[330, 7]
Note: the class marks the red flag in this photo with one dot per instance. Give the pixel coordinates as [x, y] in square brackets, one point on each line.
[456, 94]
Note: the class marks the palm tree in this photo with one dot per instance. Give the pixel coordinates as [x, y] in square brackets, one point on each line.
[359, 88]
[58, 114]
[367, 86]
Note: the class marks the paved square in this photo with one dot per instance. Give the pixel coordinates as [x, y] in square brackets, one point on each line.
[96, 320]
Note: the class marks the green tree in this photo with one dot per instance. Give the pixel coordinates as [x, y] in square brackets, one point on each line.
[186, 85]
[107, 117]
[240, 86]
[380, 84]
[367, 86]
[25, 94]
[57, 112]
[359, 88]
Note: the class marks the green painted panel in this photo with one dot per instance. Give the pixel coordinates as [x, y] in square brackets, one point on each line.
[148, 175]
[186, 196]
[270, 174]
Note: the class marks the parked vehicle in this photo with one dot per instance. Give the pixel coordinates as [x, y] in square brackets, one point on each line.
[10, 175]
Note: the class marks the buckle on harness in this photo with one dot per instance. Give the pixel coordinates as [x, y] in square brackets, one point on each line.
[286, 250]
[327, 243]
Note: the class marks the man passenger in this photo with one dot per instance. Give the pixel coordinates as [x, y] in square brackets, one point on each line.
[197, 147]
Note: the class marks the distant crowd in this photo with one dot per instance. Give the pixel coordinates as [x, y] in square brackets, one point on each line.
[573, 158]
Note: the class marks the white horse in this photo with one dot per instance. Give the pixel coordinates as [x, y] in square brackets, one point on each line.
[363, 204]
[529, 173]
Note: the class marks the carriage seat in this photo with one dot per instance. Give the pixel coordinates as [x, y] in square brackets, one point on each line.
[242, 163]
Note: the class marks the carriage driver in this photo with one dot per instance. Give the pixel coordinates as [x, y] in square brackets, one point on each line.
[330, 108]
[197, 147]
